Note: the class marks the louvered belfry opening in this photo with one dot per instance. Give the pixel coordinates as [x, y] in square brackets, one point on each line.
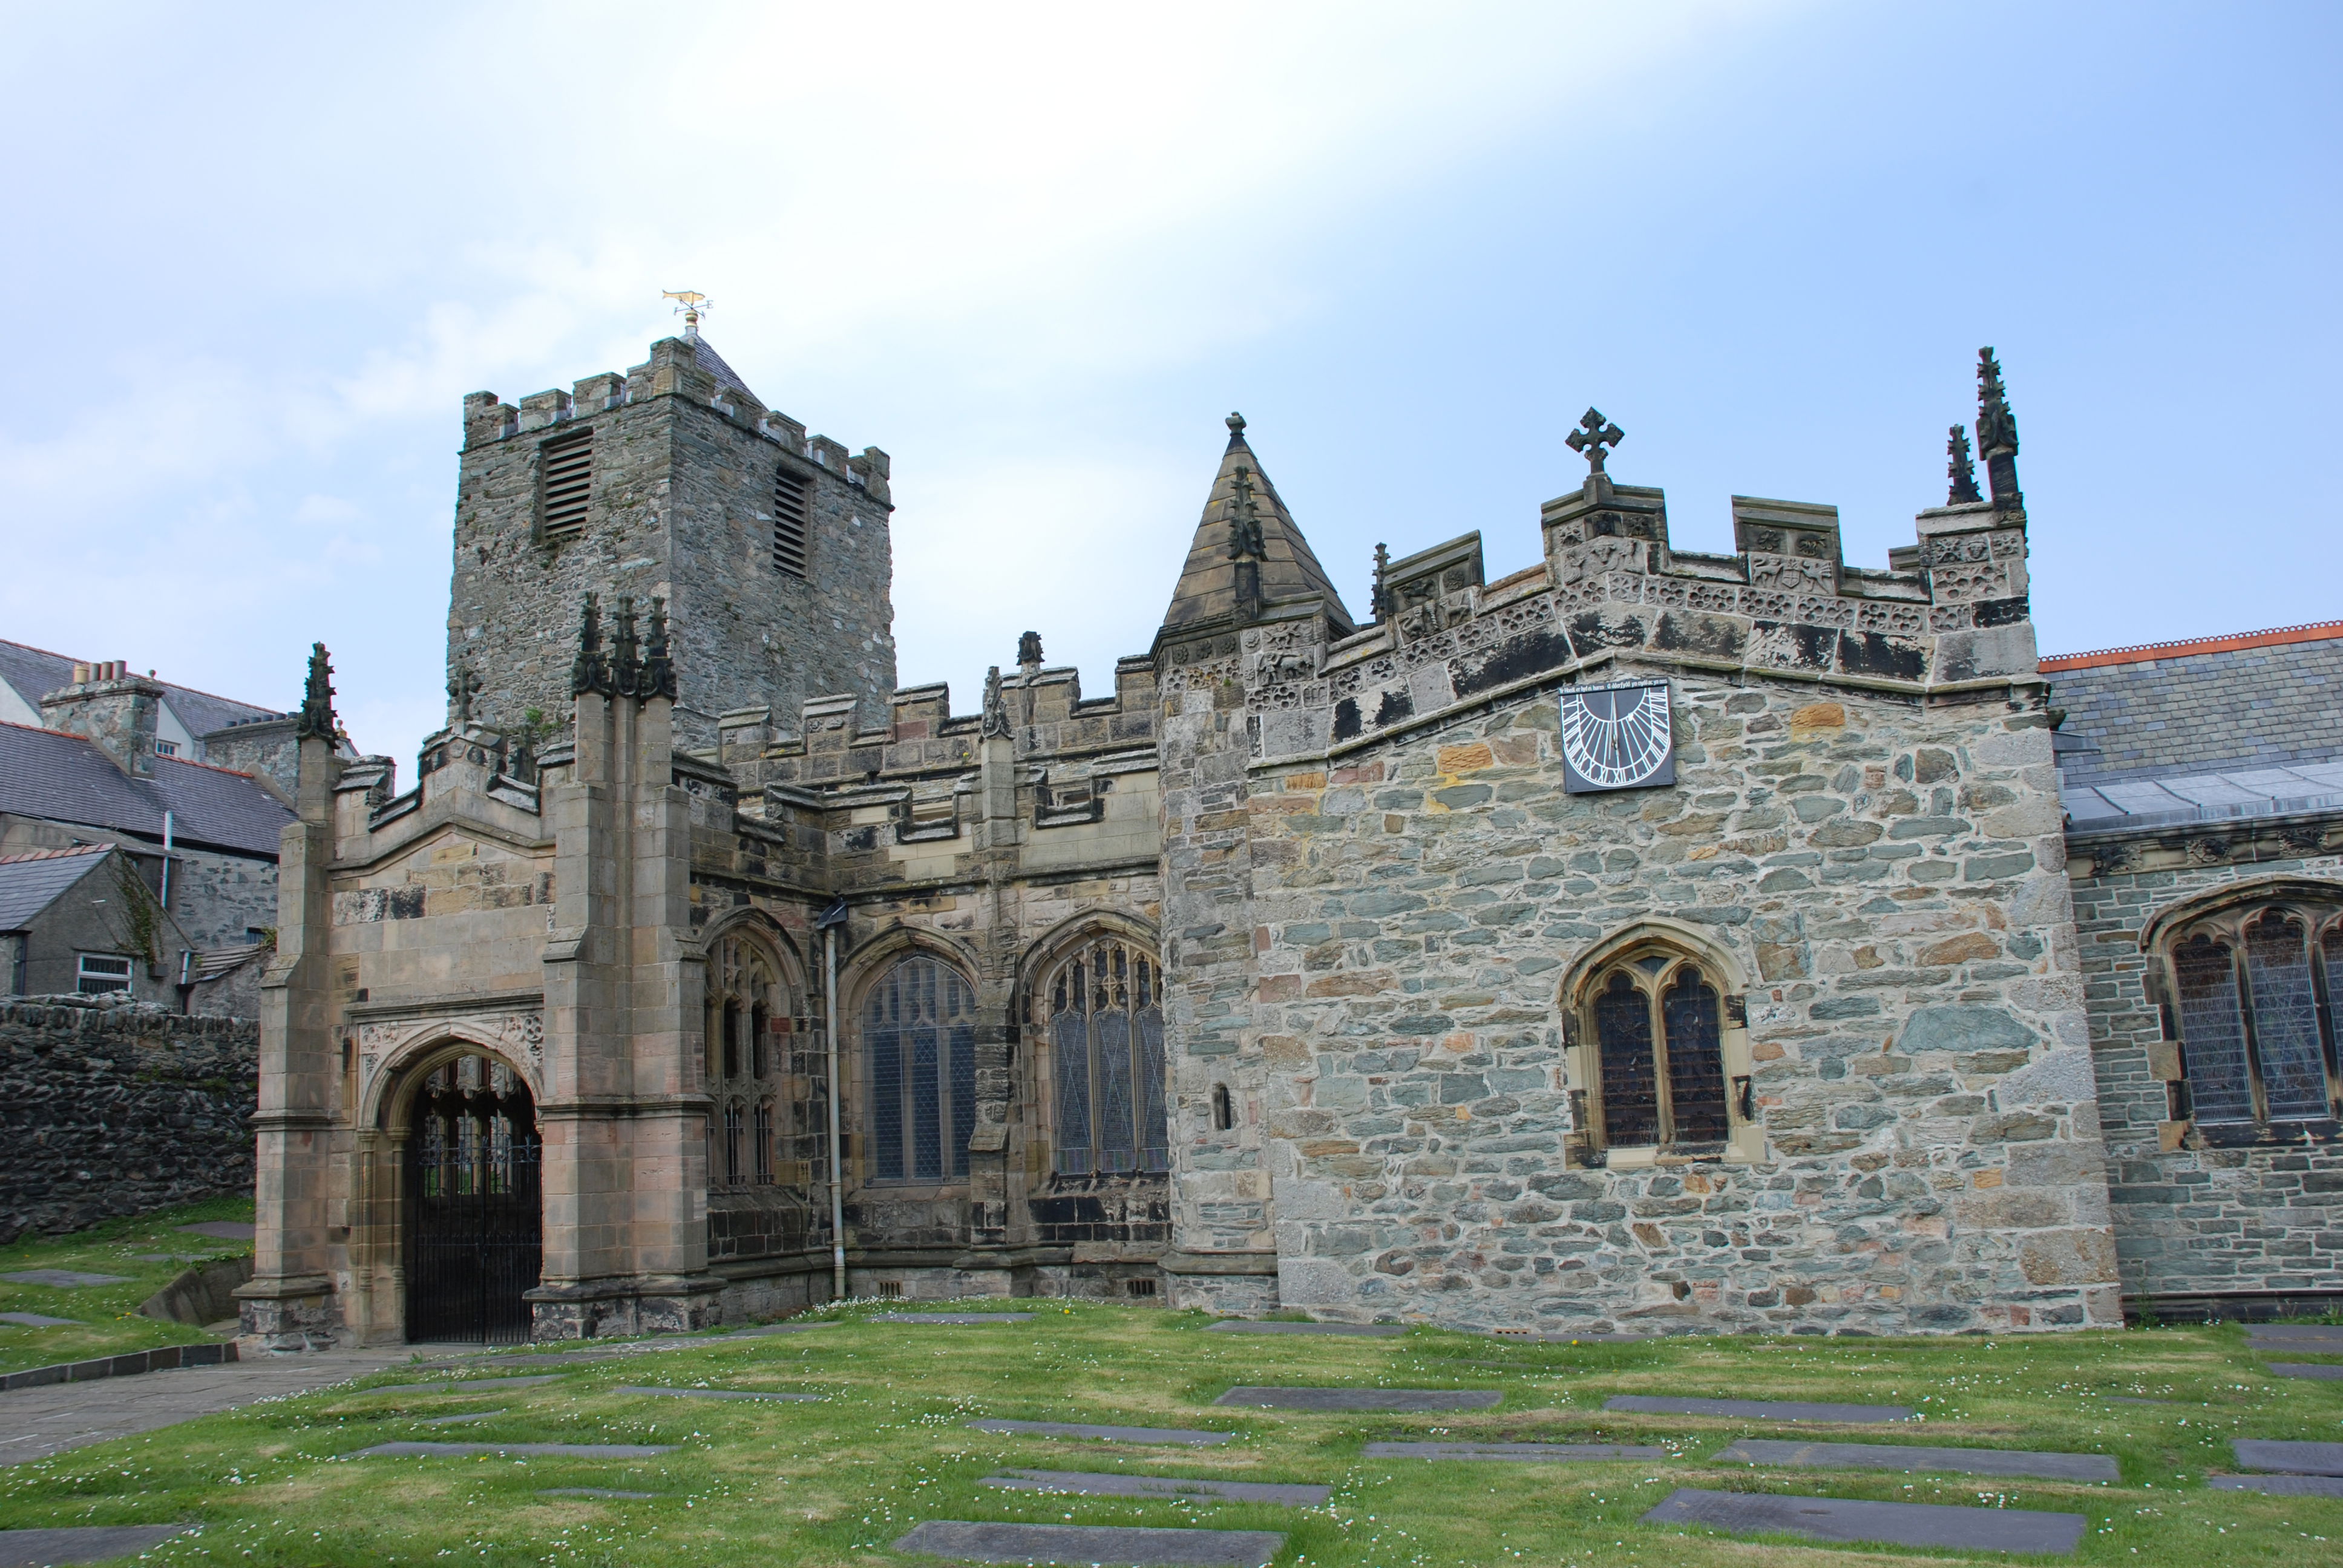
[565, 480]
[790, 524]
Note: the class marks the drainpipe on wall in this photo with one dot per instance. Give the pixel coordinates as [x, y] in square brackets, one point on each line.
[832, 918]
[167, 863]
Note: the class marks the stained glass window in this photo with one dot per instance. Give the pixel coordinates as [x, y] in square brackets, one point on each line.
[1659, 1046]
[2251, 997]
[1105, 1027]
[918, 1033]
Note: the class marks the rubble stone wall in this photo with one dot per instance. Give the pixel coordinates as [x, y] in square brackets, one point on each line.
[118, 1110]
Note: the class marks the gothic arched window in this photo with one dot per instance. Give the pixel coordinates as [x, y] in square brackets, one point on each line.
[918, 1043]
[745, 1006]
[1658, 1027]
[1103, 1011]
[2251, 999]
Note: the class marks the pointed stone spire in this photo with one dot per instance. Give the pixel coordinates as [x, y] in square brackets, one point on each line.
[1285, 566]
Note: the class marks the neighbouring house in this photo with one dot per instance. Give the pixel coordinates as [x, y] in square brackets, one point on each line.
[99, 768]
[84, 921]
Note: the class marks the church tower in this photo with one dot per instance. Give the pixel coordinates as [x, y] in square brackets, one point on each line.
[672, 482]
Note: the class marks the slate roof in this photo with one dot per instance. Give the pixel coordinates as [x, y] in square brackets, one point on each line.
[2200, 795]
[31, 883]
[62, 778]
[713, 363]
[1208, 582]
[35, 672]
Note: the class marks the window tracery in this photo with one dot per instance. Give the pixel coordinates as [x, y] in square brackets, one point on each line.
[745, 1006]
[918, 1043]
[2251, 1004]
[1101, 1010]
[1659, 1072]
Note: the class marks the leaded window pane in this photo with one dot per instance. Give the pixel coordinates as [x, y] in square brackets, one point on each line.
[1069, 1037]
[1106, 1030]
[2285, 1018]
[1622, 1034]
[1696, 1061]
[733, 1139]
[920, 1040]
[2212, 1031]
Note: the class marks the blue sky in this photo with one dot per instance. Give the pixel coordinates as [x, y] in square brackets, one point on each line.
[1037, 253]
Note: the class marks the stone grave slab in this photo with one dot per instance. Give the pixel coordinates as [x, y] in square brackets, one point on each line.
[1178, 1436]
[1364, 1331]
[222, 1229]
[37, 1321]
[1406, 1399]
[2321, 1371]
[168, 1257]
[525, 1450]
[592, 1491]
[1947, 1460]
[64, 1278]
[1533, 1453]
[1088, 1544]
[951, 1318]
[2290, 1458]
[458, 1419]
[2280, 1485]
[465, 1385]
[2295, 1336]
[1847, 1520]
[721, 1393]
[1083, 1483]
[1761, 1408]
[88, 1544]
[2134, 1399]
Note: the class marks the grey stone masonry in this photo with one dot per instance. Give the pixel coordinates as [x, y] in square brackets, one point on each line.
[680, 505]
[1386, 912]
[2170, 711]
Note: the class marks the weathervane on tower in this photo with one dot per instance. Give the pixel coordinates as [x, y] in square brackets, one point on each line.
[691, 302]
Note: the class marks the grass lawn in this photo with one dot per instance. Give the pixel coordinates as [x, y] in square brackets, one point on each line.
[105, 1320]
[833, 1483]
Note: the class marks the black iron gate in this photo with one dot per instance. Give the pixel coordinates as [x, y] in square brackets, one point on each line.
[474, 1216]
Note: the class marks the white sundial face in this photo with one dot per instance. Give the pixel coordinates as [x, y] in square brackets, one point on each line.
[1615, 737]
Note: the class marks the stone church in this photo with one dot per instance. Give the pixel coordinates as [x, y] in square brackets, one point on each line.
[1652, 940]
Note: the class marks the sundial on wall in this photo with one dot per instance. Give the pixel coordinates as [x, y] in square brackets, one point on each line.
[1617, 737]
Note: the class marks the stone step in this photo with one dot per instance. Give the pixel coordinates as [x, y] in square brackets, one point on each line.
[1087, 1485]
[1546, 1452]
[1943, 1461]
[1761, 1408]
[1850, 1521]
[1333, 1399]
[1177, 1436]
[1107, 1546]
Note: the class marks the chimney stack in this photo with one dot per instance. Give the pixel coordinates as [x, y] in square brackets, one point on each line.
[110, 706]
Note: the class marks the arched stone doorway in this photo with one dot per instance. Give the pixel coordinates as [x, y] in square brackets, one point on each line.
[475, 1227]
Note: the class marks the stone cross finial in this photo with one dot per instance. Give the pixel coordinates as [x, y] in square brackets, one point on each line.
[462, 687]
[1960, 469]
[1245, 542]
[1593, 435]
[316, 715]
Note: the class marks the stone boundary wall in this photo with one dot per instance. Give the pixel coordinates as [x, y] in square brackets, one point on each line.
[119, 1110]
[2251, 707]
